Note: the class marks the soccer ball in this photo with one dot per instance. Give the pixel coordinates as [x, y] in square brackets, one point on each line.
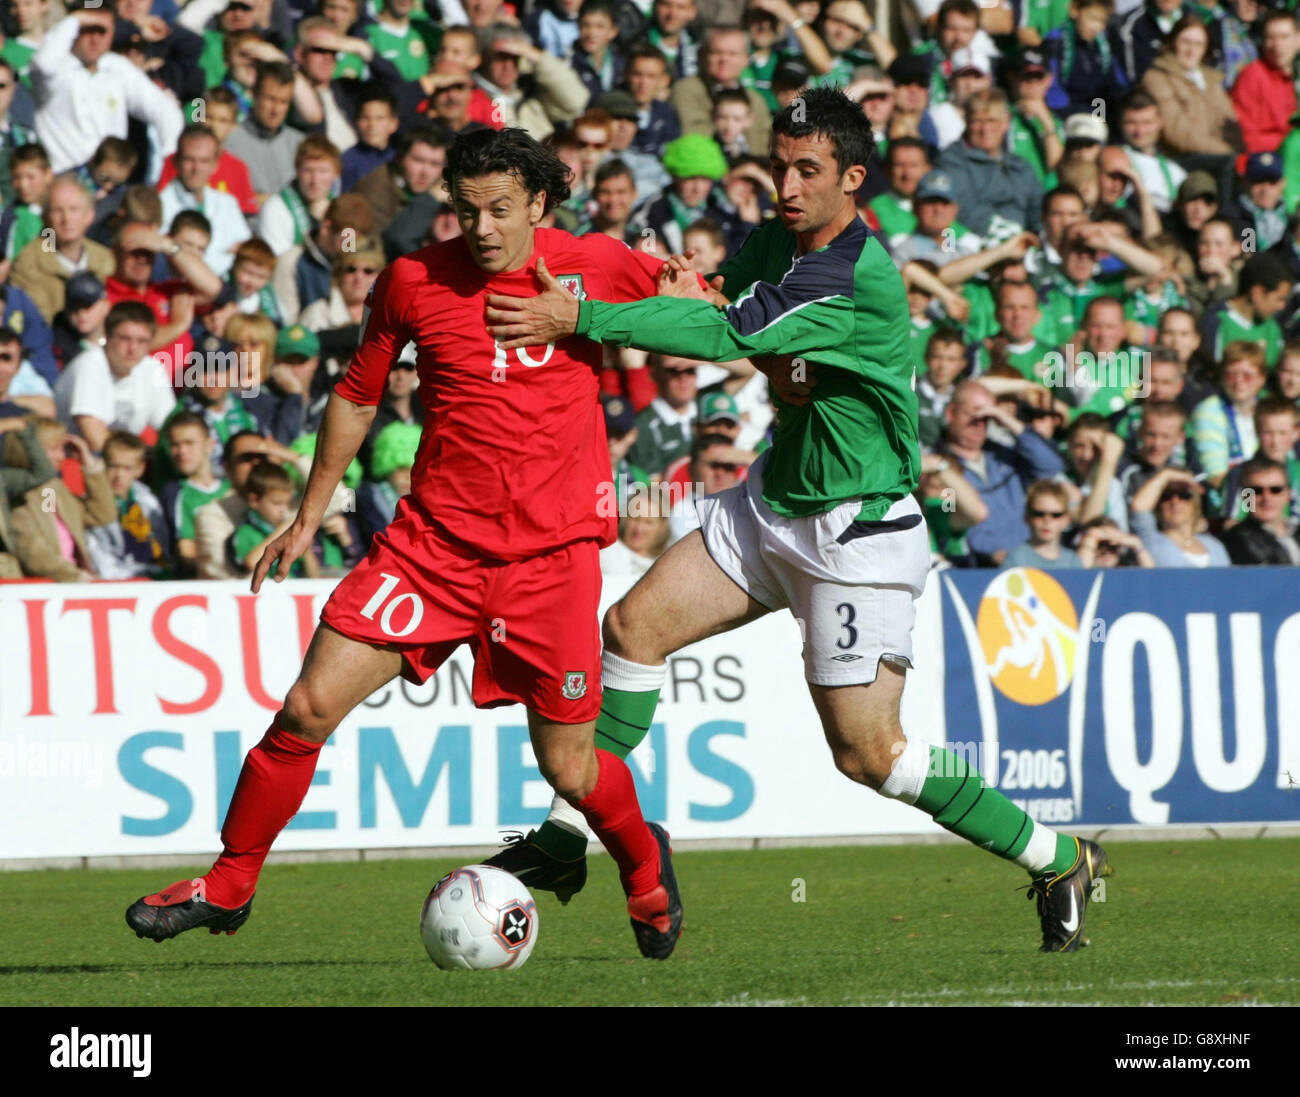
[481, 918]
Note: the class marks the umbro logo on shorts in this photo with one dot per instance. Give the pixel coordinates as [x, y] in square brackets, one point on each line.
[845, 658]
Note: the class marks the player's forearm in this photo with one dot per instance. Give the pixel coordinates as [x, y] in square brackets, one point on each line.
[681, 326]
[343, 428]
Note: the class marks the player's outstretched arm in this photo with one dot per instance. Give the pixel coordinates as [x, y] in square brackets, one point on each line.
[343, 428]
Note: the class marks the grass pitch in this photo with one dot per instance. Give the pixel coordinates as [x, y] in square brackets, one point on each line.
[1198, 922]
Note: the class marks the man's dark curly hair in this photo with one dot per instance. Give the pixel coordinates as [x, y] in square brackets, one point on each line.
[508, 152]
[830, 113]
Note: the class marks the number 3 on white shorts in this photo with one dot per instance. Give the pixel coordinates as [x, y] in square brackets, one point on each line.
[386, 620]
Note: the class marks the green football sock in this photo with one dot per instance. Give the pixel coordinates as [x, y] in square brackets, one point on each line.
[952, 792]
[627, 708]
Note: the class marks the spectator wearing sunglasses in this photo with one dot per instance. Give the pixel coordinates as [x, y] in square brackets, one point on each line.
[84, 93]
[716, 465]
[1166, 514]
[336, 319]
[1047, 513]
[1265, 535]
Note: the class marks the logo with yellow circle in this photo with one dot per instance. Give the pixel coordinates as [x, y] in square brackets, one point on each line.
[1029, 633]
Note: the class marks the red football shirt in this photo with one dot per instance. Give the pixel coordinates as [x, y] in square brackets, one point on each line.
[514, 454]
[231, 176]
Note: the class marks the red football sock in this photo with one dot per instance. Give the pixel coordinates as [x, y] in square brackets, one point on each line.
[613, 813]
[276, 776]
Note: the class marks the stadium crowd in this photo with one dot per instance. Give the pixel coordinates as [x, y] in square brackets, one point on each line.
[1092, 203]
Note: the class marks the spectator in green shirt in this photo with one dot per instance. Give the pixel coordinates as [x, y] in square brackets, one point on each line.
[270, 510]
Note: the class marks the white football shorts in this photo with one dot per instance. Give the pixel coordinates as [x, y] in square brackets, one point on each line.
[852, 586]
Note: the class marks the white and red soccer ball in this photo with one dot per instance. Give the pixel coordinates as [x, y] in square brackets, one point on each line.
[481, 918]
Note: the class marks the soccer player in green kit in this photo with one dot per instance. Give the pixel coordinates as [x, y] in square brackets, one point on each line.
[826, 525]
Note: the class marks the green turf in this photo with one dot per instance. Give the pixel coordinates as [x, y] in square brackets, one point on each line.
[1193, 922]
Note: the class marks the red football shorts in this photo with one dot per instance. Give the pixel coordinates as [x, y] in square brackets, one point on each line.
[532, 625]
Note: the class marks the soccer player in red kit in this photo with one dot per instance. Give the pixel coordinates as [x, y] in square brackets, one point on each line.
[496, 546]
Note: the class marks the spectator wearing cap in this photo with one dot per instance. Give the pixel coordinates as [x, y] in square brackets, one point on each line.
[84, 93]
[997, 191]
[336, 319]
[726, 52]
[1084, 66]
[551, 94]
[696, 164]
[42, 273]
[120, 386]
[412, 177]
[1197, 202]
[1036, 134]
[391, 461]
[1259, 205]
[298, 353]
[664, 429]
[647, 170]
[621, 435]
[1137, 36]
[1085, 136]
[648, 78]
[303, 274]
[999, 473]
[1265, 535]
[716, 413]
[971, 73]
[1265, 94]
[1197, 114]
[1263, 287]
[851, 40]
[910, 74]
[669, 33]
[596, 57]
[197, 152]
[939, 236]
[80, 323]
[263, 140]
[907, 161]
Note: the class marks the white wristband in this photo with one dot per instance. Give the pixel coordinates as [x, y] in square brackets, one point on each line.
[795, 24]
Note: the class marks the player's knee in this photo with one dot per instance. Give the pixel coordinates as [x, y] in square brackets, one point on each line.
[571, 773]
[306, 714]
[868, 761]
[624, 634]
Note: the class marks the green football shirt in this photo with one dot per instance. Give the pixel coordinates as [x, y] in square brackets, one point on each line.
[841, 307]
